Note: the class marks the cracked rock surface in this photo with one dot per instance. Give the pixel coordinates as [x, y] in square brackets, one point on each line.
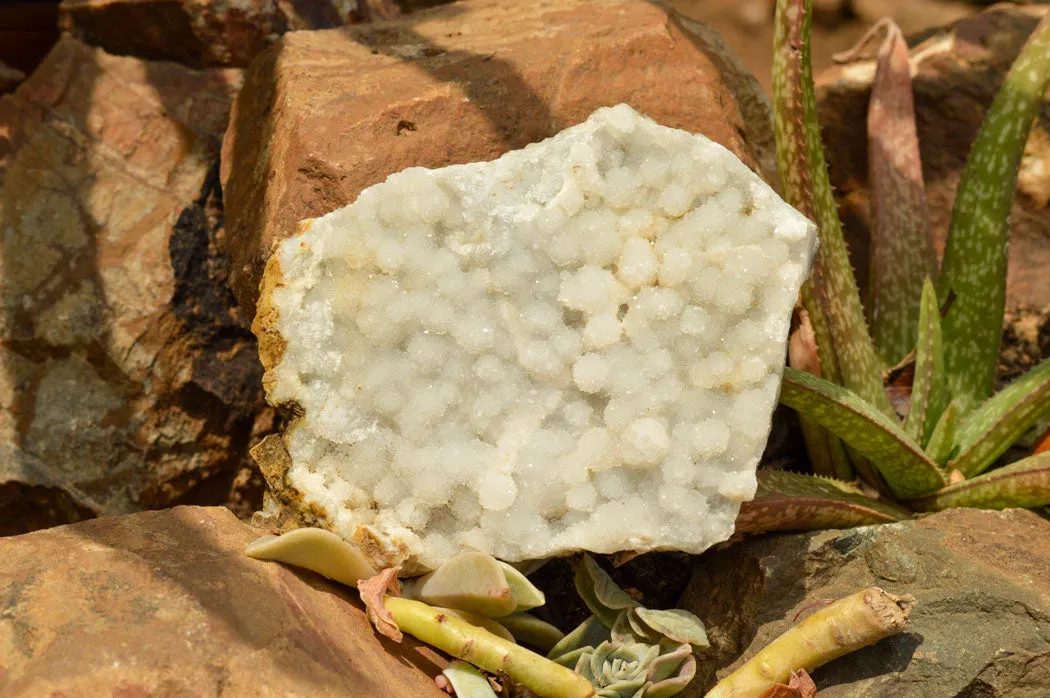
[128, 378]
[981, 628]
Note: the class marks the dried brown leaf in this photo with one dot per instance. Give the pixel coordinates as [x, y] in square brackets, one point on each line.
[372, 591]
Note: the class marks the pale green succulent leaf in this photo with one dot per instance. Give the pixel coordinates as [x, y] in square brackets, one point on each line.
[530, 630]
[317, 550]
[675, 624]
[671, 672]
[992, 428]
[467, 681]
[831, 296]
[906, 468]
[788, 501]
[929, 392]
[590, 633]
[601, 594]
[942, 440]
[470, 581]
[526, 595]
[1024, 484]
[975, 258]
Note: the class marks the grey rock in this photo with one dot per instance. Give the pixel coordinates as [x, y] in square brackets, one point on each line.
[981, 627]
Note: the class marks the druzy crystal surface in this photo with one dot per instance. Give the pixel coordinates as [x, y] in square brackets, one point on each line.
[575, 346]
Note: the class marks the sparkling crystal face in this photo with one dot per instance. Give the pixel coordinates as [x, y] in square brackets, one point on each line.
[575, 346]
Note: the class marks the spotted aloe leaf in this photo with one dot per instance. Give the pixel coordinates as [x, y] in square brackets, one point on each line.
[929, 391]
[902, 254]
[999, 422]
[830, 296]
[793, 502]
[1024, 484]
[975, 256]
[942, 439]
[906, 468]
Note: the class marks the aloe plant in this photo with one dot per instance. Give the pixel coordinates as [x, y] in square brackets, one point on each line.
[943, 330]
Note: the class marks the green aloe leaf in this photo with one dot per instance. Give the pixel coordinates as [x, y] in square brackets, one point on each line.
[975, 256]
[788, 501]
[906, 468]
[902, 254]
[929, 391]
[999, 422]
[830, 296]
[942, 440]
[1024, 484]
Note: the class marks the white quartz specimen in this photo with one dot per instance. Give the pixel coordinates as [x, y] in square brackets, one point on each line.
[575, 346]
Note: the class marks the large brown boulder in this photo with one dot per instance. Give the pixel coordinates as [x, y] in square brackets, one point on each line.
[956, 72]
[325, 114]
[167, 604]
[981, 627]
[128, 378]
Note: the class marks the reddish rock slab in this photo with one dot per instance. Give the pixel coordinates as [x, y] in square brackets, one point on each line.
[326, 114]
[167, 604]
[128, 378]
[956, 73]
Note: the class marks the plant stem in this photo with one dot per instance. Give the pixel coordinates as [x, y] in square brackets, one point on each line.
[486, 651]
[847, 625]
[975, 258]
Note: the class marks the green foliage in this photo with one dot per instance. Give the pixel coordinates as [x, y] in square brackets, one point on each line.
[831, 296]
[1024, 484]
[929, 391]
[953, 429]
[907, 469]
[624, 649]
[975, 256]
[791, 501]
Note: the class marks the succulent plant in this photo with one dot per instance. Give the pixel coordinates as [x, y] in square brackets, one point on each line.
[935, 332]
[626, 650]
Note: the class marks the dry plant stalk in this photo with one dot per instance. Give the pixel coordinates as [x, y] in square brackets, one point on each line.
[845, 626]
[486, 651]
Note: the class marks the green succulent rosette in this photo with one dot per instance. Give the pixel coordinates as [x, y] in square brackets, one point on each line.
[626, 650]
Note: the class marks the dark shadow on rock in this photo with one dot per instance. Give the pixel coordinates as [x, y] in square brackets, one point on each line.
[462, 68]
[756, 125]
[888, 656]
[730, 592]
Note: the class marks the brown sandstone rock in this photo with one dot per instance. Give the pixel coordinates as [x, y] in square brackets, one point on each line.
[326, 114]
[956, 72]
[128, 379]
[167, 604]
[10, 78]
[981, 627]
